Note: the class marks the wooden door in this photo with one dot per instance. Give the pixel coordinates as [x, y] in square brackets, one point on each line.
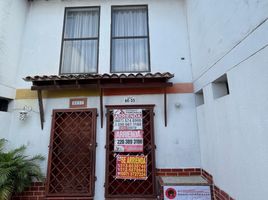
[71, 164]
[120, 188]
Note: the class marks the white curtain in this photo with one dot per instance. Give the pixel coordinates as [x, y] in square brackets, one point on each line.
[80, 49]
[130, 54]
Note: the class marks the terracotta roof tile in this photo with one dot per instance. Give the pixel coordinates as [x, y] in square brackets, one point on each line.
[166, 75]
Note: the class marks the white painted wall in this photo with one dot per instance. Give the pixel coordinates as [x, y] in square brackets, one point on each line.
[233, 131]
[232, 38]
[4, 123]
[168, 37]
[215, 27]
[12, 22]
[12, 19]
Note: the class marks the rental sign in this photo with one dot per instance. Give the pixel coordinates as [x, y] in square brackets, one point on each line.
[128, 130]
[128, 141]
[131, 167]
[127, 119]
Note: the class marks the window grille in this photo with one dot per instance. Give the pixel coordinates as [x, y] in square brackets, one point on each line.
[119, 188]
[71, 166]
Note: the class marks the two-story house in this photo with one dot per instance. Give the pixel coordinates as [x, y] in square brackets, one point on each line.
[118, 93]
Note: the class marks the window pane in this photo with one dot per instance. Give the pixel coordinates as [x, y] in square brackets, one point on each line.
[79, 56]
[81, 23]
[130, 55]
[130, 21]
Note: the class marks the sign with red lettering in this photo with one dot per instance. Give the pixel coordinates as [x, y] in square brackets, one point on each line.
[187, 192]
[128, 141]
[127, 128]
[131, 167]
[127, 119]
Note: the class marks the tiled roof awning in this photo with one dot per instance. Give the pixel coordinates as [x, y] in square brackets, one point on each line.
[101, 82]
[54, 82]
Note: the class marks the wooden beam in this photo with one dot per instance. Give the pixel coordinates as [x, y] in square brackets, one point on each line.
[101, 106]
[41, 108]
[102, 85]
[149, 106]
[136, 85]
[165, 107]
[60, 87]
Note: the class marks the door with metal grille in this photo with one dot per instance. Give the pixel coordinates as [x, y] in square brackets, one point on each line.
[130, 188]
[71, 164]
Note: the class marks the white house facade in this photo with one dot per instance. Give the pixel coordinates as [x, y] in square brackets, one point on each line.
[180, 85]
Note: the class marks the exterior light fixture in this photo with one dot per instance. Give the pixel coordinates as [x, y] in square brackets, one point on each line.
[24, 113]
[177, 105]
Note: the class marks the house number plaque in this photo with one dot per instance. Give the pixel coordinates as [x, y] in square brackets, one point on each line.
[129, 100]
[78, 103]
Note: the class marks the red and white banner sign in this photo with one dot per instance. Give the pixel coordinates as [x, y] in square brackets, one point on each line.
[127, 119]
[128, 141]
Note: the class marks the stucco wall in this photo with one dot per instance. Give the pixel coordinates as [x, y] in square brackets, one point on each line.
[12, 21]
[5, 124]
[233, 131]
[216, 27]
[232, 38]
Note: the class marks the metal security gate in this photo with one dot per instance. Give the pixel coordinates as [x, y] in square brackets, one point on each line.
[120, 188]
[71, 165]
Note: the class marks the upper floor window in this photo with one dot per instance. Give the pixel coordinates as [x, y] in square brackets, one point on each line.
[80, 41]
[130, 39]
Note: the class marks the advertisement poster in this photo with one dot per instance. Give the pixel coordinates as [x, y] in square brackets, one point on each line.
[128, 141]
[187, 192]
[131, 167]
[127, 119]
